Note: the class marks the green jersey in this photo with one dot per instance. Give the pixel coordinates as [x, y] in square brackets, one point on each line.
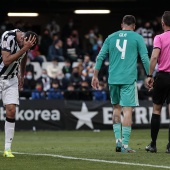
[123, 49]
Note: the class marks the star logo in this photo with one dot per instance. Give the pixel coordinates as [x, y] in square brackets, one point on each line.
[84, 116]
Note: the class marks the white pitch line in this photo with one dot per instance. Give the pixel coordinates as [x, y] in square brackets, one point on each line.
[94, 160]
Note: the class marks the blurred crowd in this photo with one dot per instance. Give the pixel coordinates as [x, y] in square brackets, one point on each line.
[70, 59]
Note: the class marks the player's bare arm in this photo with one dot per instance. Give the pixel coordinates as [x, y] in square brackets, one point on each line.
[22, 71]
[8, 58]
[95, 81]
[153, 62]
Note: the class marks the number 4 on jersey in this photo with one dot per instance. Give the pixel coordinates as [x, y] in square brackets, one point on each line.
[121, 49]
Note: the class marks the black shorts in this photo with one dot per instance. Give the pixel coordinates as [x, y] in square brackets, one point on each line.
[161, 88]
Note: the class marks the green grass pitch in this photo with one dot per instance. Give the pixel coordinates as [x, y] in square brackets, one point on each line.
[83, 150]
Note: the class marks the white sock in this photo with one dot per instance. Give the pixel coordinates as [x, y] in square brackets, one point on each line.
[9, 134]
[118, 140]
[125, 146]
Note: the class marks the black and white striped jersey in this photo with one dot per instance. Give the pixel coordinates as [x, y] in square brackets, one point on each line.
[9, 43]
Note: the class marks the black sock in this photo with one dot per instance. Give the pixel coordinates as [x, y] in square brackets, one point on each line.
[155, 125]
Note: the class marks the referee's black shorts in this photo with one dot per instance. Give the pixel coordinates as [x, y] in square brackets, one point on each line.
[161, 88]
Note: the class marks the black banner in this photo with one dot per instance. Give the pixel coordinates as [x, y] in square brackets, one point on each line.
[76, 115]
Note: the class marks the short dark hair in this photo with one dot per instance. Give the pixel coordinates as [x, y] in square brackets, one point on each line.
[166, 18]
[28, 33]
[129, 20]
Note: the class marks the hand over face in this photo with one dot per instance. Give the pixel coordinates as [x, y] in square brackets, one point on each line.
[30, 42]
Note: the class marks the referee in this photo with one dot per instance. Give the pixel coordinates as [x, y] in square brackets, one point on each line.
[161, 82]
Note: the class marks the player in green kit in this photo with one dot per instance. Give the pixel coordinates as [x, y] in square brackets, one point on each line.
[123, 48]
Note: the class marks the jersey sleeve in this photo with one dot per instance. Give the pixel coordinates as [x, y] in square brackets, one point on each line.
[157, 42]
[143, 52]
[102, 54]
[6, 42]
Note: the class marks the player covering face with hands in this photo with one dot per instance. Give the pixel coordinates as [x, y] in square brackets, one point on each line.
[14, 47]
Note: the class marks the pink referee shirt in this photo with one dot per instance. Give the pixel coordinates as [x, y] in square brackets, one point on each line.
[162, 41]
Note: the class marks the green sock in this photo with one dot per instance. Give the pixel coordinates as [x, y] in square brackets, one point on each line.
[117, 130]
[126, 132]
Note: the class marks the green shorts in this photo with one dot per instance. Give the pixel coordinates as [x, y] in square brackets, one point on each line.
[124, 94]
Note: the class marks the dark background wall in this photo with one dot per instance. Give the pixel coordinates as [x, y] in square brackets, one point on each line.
[62, 11]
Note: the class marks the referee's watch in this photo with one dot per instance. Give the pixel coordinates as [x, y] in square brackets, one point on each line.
[149, 75]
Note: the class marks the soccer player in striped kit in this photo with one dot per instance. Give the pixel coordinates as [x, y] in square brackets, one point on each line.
[14, 47]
